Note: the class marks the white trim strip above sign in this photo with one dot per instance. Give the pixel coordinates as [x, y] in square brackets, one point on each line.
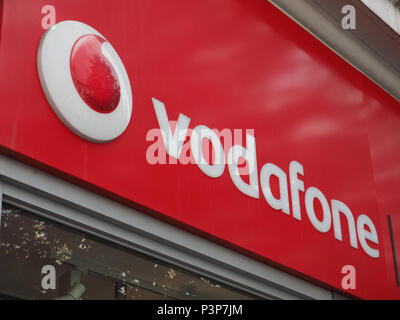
[311, 16]
[387, 10]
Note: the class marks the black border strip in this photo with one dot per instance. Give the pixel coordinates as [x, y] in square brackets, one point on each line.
[396, 266]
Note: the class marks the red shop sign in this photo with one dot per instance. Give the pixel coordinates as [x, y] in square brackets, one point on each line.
[225, 118]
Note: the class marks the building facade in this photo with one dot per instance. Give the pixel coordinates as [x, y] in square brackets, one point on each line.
[199, 150]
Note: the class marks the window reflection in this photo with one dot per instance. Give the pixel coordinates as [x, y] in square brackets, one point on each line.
[28, 242]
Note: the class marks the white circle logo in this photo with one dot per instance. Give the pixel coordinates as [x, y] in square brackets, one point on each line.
[85, 81]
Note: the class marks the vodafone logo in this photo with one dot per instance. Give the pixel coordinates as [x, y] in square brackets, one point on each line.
[85, 81]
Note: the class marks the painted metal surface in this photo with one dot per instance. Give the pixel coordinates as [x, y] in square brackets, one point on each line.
[387, 10]
[225, 65]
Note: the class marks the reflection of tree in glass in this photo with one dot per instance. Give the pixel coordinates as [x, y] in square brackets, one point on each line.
[28, 242]
[25, 238]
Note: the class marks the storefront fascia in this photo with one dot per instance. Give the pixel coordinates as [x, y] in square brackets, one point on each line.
[25, 185]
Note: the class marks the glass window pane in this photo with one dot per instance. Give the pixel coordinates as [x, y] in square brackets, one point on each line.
[29, 242]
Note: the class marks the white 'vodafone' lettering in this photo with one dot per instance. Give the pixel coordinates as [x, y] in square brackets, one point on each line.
[331, 211]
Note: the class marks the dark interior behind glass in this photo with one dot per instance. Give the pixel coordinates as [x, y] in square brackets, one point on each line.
[29, 242]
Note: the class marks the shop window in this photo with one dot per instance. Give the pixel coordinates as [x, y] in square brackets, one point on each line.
[90, 267]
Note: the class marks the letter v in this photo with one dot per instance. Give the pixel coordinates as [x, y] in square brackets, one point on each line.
[173, 142]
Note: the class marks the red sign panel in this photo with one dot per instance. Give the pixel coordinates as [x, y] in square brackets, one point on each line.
[225, 118]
